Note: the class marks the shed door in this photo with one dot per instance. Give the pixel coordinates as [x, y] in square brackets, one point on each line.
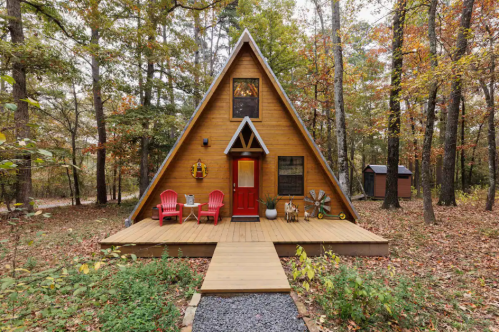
[369, 183]
[245, 186]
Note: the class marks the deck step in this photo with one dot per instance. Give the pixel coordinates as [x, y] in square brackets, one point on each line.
[245, 267]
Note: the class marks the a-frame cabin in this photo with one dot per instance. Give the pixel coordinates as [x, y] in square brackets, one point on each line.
[246, 126]
[250, 142]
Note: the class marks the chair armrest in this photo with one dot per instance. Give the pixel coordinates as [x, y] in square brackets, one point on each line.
[200, 207]
[180, 204]
[159, 208]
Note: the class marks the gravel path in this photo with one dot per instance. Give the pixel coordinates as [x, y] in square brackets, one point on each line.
[248, 313]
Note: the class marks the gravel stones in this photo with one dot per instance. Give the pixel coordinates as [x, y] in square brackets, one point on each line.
[248, 313]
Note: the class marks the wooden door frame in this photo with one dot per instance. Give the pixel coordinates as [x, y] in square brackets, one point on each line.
[260, 159]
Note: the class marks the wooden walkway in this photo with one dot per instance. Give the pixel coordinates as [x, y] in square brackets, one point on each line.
[200, 240]
[245, 267]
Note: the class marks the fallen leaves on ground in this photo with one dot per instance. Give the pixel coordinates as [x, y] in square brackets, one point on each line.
[457, 259]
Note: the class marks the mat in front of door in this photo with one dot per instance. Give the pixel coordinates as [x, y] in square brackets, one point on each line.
[245, 219]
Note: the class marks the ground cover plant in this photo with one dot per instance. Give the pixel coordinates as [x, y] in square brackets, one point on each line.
[61, 280]
[439, 277]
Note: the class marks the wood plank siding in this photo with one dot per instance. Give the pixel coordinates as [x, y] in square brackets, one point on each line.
[404, 186]
[277, 129]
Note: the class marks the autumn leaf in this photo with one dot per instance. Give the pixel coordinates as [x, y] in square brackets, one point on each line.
[84, 268]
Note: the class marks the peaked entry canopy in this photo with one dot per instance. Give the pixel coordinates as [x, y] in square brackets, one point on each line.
[246, 143]
[245, 39]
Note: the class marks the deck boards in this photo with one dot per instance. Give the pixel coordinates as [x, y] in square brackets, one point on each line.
[245, 267]
[200, 240]
[277, 231]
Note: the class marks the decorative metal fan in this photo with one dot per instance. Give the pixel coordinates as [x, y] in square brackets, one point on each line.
[317, 202]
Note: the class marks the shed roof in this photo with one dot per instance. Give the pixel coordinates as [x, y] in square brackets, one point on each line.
[381, 169]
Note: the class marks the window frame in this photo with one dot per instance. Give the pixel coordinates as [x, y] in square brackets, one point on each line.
[260, 95]
[304, 188]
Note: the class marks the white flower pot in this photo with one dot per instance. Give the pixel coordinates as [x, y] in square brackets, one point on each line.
[271, 214]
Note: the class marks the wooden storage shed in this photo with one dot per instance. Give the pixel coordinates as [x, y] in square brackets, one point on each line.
[375, 181]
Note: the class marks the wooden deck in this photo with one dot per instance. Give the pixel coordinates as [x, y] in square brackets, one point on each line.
[200, 240]
[245, 267]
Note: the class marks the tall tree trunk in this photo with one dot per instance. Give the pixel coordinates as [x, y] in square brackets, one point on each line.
[429, 214]
[145, 139]
[447, 192]
[391, 194]
[472, 162]
[314, 119]
[99, 117]
[352, 157]
[115, 175]
[197, 40]
[327, 103]
[416, 178]
[21, 115]
[316, 95]
[463, 158]
[442, 122]
[491, 133]
[341, 132]
[119, 183]
[363, 154]
[70, 185]
[74, 135]
[144, 143]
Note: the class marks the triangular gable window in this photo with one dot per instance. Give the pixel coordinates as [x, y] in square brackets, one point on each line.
[246, 139]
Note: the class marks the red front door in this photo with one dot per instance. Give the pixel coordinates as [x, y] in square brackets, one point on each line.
[245, 186]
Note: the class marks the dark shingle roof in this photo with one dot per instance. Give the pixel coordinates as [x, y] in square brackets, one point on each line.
[381, 169]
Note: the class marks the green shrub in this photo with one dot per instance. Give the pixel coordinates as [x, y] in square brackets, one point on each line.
[140, 297]
[370, 300]
[121, 295]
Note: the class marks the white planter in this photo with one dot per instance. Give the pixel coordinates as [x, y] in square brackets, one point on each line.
[271, 214]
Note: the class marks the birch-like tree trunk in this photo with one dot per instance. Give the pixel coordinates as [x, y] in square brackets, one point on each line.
[339, 105]
[327, 101]
[447, 192]
[491, 133]
[391, 194]
[74, 135]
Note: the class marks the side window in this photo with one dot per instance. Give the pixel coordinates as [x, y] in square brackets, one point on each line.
[290, 180]
[245, 96]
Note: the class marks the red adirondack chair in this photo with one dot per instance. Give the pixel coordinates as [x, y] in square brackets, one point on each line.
[215, 202]
[168, 206]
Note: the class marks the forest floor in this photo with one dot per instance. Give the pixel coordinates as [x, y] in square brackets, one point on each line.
[72, 233]
[48, 203]
[455, 263]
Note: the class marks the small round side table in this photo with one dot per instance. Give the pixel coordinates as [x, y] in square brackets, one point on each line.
[191, 214]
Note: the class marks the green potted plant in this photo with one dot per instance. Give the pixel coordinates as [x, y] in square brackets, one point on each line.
[271, 204]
